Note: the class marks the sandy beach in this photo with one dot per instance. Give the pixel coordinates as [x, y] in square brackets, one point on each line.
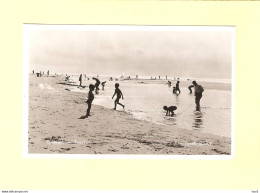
[55, 127]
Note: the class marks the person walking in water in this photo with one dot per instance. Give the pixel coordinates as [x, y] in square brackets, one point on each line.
[191, 86]
[118, 94]
[177, 87]
[198, 89]
[80, 80]
[103, 84]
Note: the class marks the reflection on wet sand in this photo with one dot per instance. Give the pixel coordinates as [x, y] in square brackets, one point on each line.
[198, 121]
[170, 120]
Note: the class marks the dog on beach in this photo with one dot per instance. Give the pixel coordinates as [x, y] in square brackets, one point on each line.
[169, 110]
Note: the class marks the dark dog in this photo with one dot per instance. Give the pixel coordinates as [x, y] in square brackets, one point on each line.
[169, 110]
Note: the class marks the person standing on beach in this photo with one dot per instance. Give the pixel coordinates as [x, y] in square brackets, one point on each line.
[198, 89]
[103, 84]
[80, 79]
[118, 94]
[33, 71]
[178, 87]
[48, 72]
[90, 98]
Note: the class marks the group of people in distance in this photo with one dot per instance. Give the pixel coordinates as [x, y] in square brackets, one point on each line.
[39, 74]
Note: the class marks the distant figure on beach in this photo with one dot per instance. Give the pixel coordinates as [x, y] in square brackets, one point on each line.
[67, 78]
[80, 80]
[97, 84]
[174, 90]
[40, 73]
[198, 89]
[48, 72]
[159, 77]
[178, 87]
[33, 71]
[191, 86]
[169, 83]
[118, 94]
[166, 77]
[103, 84]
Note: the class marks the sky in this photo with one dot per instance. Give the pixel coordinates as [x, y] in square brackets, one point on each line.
[146, 53]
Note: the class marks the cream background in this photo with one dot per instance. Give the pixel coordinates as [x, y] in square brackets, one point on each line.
[242, 172]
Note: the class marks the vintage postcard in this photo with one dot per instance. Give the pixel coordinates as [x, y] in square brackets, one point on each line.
[128, 91]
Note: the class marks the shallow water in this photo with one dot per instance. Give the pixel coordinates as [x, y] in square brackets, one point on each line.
[146, 101]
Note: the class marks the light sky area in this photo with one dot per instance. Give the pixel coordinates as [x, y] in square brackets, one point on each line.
[146, 53]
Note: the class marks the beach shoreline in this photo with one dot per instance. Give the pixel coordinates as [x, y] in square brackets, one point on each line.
[55, 127]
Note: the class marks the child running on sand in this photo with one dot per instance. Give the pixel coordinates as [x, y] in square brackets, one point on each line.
[118, 94]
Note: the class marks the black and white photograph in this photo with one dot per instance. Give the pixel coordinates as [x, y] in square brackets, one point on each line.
[128, 90]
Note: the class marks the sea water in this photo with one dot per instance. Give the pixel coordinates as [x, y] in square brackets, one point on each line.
[146, 101]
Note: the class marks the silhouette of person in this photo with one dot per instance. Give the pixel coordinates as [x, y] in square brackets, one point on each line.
[191, 86]
[198, 89]
[33, 71]
[174, 90]
[80, 80]
[118, 94]
[48, 73]
[90, 98]
[177, 87]
[103, 84]
[97, 83]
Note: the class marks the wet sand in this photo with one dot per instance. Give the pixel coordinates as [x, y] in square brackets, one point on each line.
[55, 127]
